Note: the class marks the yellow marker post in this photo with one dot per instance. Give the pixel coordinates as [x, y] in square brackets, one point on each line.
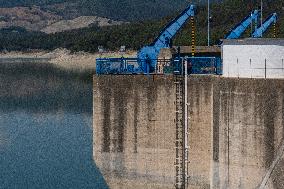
[192, 37]
[274, 30]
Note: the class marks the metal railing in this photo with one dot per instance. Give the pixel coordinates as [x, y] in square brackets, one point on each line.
[130, 65]
[118, 66]
[196, 65]
[204, 65]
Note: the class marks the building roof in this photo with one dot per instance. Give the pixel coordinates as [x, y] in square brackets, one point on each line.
[254, 41]
[199, 49]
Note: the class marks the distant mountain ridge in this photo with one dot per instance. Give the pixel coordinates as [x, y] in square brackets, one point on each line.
[52, 16]
[79, 22]
[30, 18]
[225, 15]
[37, 19]
[126, 10]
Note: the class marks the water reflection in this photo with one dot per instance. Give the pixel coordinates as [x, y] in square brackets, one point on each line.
[46, 128]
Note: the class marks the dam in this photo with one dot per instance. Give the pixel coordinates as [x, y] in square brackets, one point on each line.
[235, 137]
[198, 117]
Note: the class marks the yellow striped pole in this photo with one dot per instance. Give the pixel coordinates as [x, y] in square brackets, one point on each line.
[274, 30]
[192, 36]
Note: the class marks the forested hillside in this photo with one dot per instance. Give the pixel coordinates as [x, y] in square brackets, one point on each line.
[126, 10]
[134, 35]
[14, 3]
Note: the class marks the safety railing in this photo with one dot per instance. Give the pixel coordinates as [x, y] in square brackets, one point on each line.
[204, 65]
[130, 65]
[196, 65]
[118, 66]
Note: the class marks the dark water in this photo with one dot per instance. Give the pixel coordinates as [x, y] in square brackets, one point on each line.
[46, 128]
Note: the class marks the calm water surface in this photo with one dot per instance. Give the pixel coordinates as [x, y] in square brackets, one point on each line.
[46, 128]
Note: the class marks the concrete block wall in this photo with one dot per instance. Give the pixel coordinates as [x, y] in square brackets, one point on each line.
[253, 61]
[236, 131]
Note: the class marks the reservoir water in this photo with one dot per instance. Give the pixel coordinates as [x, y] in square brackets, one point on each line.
[46, 128]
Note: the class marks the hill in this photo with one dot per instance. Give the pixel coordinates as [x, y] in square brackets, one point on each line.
[36, 18]
[134, 35]
[30, 18]
[125, 10]
[62, 15]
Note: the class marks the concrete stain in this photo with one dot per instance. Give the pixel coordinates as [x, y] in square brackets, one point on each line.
[151, 101]
[216, 133]
[105, 103]
[277, 176]
[135, 118]
[269, 117]
[122, 90]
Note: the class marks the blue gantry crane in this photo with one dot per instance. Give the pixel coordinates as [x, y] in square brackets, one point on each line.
[147, 56]
[163, 40]
[266, 24]
[240, 28]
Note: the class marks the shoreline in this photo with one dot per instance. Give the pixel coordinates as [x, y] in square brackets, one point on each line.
[63, 58]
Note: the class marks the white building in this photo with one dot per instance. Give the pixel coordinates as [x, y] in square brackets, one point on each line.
[253, 58]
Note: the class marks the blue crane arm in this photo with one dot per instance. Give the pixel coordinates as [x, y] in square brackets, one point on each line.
[239, 29]
[172, 28]
[260, 30]
[163, 40]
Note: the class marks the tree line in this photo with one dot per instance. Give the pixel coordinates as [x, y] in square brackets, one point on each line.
[137, 34]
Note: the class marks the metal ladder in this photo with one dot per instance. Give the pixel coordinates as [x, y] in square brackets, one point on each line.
[180, 179]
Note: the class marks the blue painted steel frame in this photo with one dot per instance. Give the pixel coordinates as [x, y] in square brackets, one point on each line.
[118, 66]
[239, 29]
[204, 65]
[196, 65]
[201, 65]
[266, 24]
[164, 38]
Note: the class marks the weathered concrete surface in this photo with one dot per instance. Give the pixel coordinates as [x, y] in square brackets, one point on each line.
[236, 128]
[248, 125]
[133, 131]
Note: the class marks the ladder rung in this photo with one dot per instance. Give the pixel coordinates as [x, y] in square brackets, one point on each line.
[178, 184]
[178, 176]
[178, 148]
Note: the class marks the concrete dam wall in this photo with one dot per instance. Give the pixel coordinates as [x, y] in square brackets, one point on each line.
[236, 132]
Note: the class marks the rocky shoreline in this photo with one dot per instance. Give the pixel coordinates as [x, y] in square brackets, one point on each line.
[64, 58]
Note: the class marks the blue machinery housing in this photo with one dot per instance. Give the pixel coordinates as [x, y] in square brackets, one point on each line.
[147, 61]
